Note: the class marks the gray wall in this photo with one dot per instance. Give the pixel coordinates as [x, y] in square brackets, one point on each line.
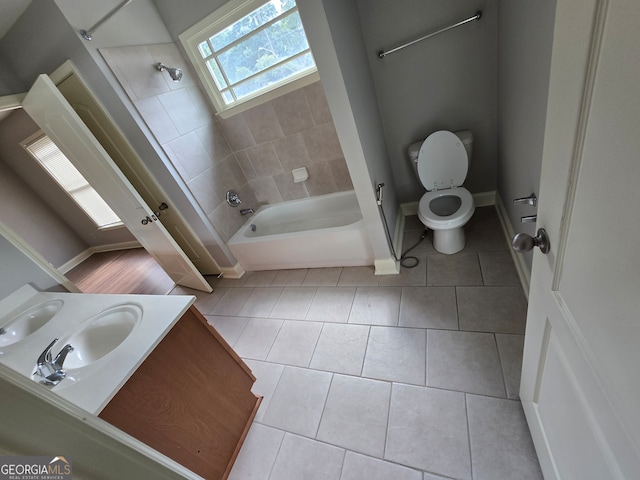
[525, 39]
[69, 224]
[17, 270]
[35, 221]
[445, 82]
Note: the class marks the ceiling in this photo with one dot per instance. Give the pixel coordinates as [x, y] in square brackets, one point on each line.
[10, 10]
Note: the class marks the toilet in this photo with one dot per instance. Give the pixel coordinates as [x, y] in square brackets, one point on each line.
[441, 163]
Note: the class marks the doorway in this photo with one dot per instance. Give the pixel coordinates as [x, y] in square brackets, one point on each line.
[131, 271]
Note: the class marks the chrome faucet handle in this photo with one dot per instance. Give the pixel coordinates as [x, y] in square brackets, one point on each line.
[232, 198]
[62, 356]
[45, 356]
[49, 370]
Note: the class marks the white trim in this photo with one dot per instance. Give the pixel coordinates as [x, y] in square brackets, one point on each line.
[521, 266]
[387, 266]
[484, 199]
[232, 272]
[111, 247]
[11, 102]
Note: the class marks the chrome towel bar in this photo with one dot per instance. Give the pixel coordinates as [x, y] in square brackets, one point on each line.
[383, 53]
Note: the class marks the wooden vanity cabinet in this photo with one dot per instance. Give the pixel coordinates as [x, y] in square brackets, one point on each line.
[190, 399]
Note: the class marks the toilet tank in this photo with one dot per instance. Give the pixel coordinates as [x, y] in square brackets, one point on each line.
[414, 149]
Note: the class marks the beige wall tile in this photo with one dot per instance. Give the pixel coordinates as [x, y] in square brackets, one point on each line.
[292, 152]
[320, 180]
[264, 160]
[185, 113]
[263, 123]
[288, 189]
[237, 132]
[191, 155]
[293, 112]
[341, 175]
[214, 141]
[245, 164]
[317, 102]
[266, 190]
[135, 64]
[322, 143]
[157, 119]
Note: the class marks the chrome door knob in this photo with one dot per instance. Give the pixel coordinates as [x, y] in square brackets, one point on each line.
[523, 242]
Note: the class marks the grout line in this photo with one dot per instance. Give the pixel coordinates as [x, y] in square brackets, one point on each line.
[315, 346]
[364, 357]
[324, 406]
[278, 452]
[455, 295]
[466, 412]
[386, 432]
[504, 377]
[426, 358]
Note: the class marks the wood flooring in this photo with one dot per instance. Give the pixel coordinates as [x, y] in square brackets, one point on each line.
[121, 271]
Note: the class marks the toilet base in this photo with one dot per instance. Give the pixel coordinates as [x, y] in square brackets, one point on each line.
[449, 241]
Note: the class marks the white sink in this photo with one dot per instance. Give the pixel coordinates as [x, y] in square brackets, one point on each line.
[100, 335]
[25, 323]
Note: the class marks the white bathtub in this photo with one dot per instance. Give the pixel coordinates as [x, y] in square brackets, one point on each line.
[323, 231]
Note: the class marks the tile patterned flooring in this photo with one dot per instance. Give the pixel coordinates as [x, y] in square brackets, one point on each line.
[413, 376]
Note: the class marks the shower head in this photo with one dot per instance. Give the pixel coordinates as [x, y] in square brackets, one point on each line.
[174, 73]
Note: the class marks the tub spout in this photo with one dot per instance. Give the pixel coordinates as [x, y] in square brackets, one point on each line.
[246, 211]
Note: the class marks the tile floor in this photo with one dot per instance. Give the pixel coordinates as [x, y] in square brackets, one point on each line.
[412, 376]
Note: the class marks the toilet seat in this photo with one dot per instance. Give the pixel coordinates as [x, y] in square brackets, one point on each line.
[455, 220]
[442, 161]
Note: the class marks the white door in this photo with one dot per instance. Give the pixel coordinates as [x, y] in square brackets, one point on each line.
[48, 108]
[581, 369]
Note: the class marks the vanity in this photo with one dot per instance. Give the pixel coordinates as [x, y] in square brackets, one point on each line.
[149, 365]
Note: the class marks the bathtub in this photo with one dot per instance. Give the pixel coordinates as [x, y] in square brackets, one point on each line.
[322, 231]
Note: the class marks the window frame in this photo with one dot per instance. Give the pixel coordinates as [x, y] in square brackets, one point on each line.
[216, 22]
[28, 142]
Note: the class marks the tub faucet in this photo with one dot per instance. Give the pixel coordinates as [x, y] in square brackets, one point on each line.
[232, 198]
[246, 211]
[51, 370]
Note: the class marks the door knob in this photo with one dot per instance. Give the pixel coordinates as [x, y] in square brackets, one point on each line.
[523, 242]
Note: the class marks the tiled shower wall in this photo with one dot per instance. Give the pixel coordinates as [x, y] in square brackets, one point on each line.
[252, 152]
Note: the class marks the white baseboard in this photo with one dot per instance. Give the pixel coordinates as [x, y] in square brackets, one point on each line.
[387, 266]
[81, 257]
[232, 272]
[521, 267]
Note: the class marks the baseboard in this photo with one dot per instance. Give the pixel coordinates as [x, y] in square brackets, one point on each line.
[112, 247]
[485, 199]
[232, 272]
[518, 260]
[387, 266]
[81, 257]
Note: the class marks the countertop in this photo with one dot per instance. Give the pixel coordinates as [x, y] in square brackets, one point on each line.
[90, 387]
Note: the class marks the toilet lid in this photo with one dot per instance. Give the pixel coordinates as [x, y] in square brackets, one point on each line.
[442, 161]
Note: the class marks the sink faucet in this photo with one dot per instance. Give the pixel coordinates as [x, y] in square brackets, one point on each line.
[246, 211]
[51, 370]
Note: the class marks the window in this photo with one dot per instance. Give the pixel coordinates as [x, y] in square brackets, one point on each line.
[56, 164]
[250, 49]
